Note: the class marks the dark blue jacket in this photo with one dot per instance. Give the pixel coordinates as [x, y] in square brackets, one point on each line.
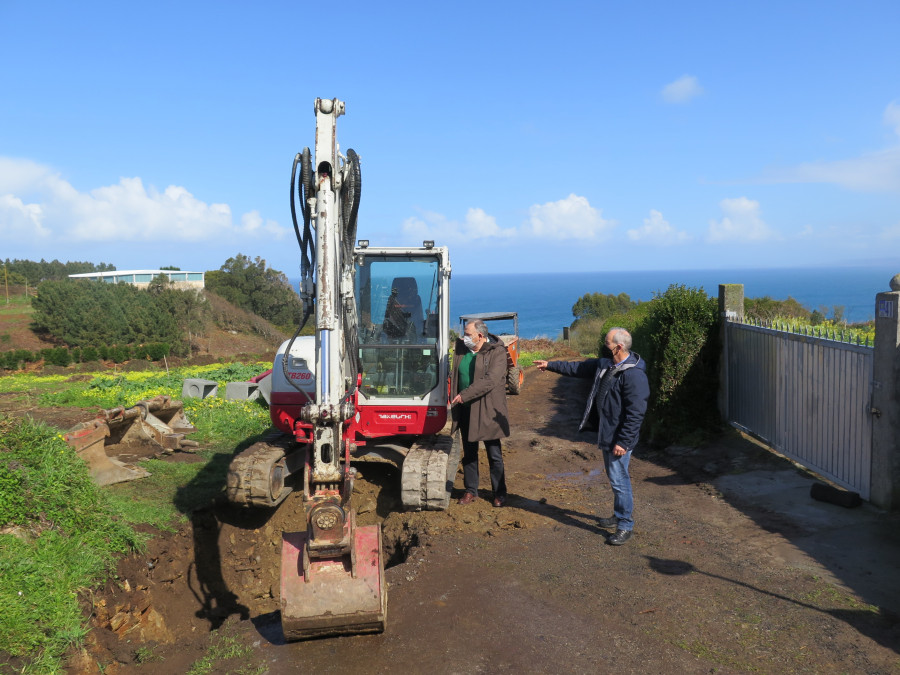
[618, 421]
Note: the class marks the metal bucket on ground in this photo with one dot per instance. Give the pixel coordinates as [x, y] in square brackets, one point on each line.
[147, 429]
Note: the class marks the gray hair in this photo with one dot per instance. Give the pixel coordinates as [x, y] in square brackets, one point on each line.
[620, 336]
[479, 326]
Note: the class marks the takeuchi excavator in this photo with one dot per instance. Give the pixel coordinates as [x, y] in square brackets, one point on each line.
[371, 384]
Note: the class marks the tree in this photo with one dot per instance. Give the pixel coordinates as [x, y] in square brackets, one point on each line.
[600, 306]
[253, 286]
[82, 313]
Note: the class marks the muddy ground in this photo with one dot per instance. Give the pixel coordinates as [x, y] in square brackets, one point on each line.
[528, 588]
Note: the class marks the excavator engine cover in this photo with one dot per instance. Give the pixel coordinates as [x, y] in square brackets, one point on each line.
[341, 595]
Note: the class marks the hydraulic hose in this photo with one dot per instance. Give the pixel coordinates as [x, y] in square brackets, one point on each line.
[306, 242]
[350, 202]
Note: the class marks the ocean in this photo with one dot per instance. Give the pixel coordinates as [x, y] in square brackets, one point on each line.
[544, 301]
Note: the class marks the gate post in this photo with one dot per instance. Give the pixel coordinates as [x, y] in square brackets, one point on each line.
[731, 308]
[885, 491]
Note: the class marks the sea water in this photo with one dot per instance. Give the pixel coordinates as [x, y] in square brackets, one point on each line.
[544, 301]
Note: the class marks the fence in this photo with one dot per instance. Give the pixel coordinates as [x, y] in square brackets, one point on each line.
[808, 396]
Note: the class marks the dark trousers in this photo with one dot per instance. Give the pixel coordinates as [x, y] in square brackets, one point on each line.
[470, 460]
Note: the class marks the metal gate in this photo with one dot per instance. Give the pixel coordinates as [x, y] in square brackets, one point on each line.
[808, 397]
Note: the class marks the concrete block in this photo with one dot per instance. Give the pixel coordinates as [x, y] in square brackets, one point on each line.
[196, 387]
[265, 388]
[242, 391]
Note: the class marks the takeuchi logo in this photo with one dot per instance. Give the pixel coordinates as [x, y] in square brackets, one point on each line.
[395, 417]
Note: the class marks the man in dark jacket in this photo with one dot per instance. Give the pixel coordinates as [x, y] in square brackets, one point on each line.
[616, 408]
[478, 397]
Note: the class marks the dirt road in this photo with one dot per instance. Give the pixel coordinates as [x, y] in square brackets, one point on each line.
[704, 586]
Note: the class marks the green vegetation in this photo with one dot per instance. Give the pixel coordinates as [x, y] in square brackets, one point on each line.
[791, 315]
[252, 286]
[31, 273]
[601, 306]
[60, 534]
[92, 314]
[224, 648]
[681, 332]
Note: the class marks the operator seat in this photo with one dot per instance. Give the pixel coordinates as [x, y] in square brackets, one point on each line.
[405, 296]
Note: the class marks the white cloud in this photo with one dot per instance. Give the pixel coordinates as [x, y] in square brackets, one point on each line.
[657, 230]
[892, 116]
[569, 218]
[741, 223]
[37, 203]
[682, 90]
[872, 172]
[20, 221]
[477, 225]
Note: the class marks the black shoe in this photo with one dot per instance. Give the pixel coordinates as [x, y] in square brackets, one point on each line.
[608, 522]
[619, 538]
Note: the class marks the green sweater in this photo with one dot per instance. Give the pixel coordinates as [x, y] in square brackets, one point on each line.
[466, 371]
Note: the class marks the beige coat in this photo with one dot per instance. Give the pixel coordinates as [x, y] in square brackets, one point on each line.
[488, 416]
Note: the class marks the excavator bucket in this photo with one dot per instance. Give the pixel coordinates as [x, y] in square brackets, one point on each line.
[345, 595]
[147, 429]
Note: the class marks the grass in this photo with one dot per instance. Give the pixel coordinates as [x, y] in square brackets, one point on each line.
[223, 648]
[62, 534]
[18, 304]
[827, 594]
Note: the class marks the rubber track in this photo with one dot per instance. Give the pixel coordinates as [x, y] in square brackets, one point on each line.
[248, 476]
[428, 473]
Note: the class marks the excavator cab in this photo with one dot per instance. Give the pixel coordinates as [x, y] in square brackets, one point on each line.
[401, 300]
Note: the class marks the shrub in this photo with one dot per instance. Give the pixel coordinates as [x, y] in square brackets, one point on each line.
[152, 352]
[56, 356]
[681, 329]
[119, 353]
[89, 354]
[13, 360]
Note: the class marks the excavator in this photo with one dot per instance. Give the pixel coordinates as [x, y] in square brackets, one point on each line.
[370, 385]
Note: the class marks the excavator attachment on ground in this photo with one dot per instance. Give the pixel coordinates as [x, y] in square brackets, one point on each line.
[333, 595]
[147, 429]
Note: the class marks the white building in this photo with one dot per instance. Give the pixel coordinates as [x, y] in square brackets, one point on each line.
[142, 278]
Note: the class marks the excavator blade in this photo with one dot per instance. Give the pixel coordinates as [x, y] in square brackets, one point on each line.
[333, 596]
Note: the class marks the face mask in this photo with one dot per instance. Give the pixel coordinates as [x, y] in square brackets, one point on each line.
[469, 342]
[606, 352]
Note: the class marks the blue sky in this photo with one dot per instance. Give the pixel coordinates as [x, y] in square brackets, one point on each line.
[525, 136]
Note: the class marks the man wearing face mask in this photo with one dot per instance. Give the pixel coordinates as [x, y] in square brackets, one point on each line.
[615, 407]
[478, 400]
